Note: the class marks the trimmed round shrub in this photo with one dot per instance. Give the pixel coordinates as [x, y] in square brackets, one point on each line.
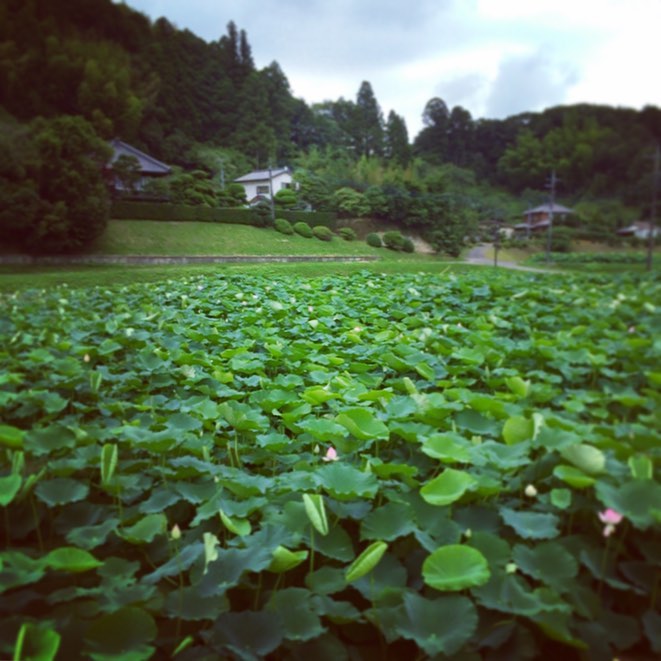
[374, 240]
[303, 229]
[347, 233]
[408, 245]
[322, 232]
[393, 240]
[283, 226]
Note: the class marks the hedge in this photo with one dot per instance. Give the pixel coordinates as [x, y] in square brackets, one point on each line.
[303, 229]
[283, 226]
[125, 210]
[130, 210]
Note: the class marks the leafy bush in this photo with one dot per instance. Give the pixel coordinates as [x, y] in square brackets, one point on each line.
[328, 218]
[322, 232]
[393, 240]
[347, 233]
[262, 214]
[561, 238]
[285, 199]
[408, 245]
[303, 229]
[283, 226]
[374, 240]
[53, 197]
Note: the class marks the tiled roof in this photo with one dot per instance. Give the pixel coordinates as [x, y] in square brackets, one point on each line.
[148, 164]
[546, 208]
[261, 175]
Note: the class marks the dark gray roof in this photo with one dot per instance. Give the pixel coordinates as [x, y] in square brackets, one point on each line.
[148, 164]
[261, 175]
[546, 208]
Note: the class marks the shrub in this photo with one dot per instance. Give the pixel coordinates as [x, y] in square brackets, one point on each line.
[393, 240]
[561, 239]
[262, 214]
[283, 226]
[322, 232]
[303, 229]
[347, 233]
[408, 245]
[374, 240]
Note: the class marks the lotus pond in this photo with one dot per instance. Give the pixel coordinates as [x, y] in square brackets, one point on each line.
[362, 467]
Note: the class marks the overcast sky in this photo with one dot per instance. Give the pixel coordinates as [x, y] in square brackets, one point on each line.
[493, 57]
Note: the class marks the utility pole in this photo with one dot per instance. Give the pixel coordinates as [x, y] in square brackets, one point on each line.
[655, 183]
[271, 193]
[551, 186]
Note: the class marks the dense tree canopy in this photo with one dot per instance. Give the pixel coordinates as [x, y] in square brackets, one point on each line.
[197, 104]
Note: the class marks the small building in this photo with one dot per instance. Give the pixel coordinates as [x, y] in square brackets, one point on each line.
[147, 167]
[261, 185]
[639, 230]
[539, 218]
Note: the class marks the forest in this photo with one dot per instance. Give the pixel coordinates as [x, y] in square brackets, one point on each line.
[75, 74]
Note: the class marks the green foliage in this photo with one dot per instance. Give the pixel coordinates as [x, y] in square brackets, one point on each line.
[52, 189]
[195, 477]
[373, 239]
[393, 240]
[322, 232]
[283, 226]
[408, 245]
[233, 195]
[130, 210]
[350, 203]
[561, 239]
[303, 229]
[262, 214]
[285, 199]
[448, 238]
[347, 233]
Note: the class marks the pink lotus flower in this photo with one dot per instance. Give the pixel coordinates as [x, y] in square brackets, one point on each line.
[331, 454]
[611, 518]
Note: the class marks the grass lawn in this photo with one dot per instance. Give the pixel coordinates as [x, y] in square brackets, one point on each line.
[143, 237]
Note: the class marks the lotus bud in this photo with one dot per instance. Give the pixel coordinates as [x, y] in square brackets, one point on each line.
[530, 491]
[175, 533]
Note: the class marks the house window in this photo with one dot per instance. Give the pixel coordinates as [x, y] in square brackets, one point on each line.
[285, 184]
[263, 190]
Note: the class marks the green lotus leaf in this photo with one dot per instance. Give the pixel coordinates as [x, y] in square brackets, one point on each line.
[11, 437]
[438, 626]
[71, 559]
[585, 457]
[518, 386]
[295, 607]
[573, 476]
[130, 629]
[366, 561]
[362, 424]
[641, 467]
[61, 491]
[561, 498]
[36, 642]
[518, 429]
[345, 482]
[9, 487]
[448, 487]
[316, 512]
[548, 562]
[448, 447]
[531, 525]
[455, 567]
[240, 527]
[144, 530]
[284, 559]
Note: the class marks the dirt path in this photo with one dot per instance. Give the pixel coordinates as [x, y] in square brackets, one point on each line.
[478, 255]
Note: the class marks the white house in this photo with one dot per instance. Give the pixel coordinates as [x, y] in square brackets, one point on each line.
[640, 229]
[263, 184]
